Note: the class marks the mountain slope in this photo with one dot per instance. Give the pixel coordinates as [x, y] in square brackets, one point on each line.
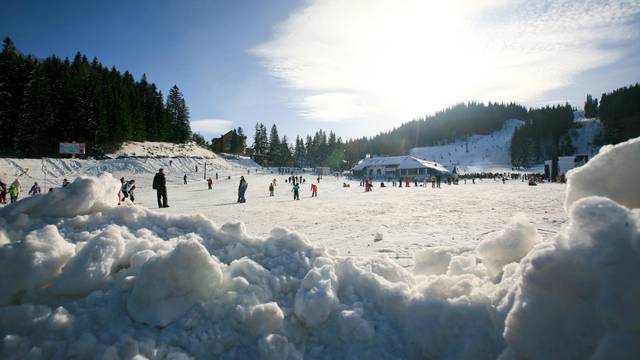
[479, 153]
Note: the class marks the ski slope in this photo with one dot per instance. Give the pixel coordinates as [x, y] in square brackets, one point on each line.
[492, 152]
[480, 153]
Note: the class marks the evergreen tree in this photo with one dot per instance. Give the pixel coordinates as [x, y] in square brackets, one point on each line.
[274, 147]
[178, 114]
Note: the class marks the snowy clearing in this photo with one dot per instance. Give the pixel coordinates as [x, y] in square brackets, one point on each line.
[86, 278]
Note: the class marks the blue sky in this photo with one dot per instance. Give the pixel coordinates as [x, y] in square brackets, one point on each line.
[353, 66]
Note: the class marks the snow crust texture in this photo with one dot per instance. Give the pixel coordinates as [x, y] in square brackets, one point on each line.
[82, 278]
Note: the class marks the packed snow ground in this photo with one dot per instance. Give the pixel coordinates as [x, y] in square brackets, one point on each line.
[85, 278]
[348, 219]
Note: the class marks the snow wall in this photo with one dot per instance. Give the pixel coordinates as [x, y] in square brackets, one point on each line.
[82, 278]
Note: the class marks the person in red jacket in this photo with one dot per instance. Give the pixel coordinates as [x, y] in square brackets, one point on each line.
[314, 190]
[209, 183]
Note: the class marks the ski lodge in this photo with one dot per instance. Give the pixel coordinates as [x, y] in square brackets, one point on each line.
[394, 167]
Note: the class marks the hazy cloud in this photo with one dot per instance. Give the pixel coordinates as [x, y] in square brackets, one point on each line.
[211, 126]
[393, 60]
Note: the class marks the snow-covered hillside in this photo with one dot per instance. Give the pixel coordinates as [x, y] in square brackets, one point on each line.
[177, 160]
[583, 135]
[163, 149]
[492, 152]
[480, 153]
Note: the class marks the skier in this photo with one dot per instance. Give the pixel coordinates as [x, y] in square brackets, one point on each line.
[271, 189]
[407, 181]
[14, 191]
[242, 189]
[127, 190]
[295, 189]
[3, 193]
[216, 176]
[209, 183]
[185, 178]
[438, 181]
[196, 168]
[160, 186]
[433, 181]
[314, 190]
[35, 189]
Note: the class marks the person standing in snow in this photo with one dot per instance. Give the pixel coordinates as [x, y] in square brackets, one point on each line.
[216, 176]
[3, 193]
[209, 183]
[296, 191]
[35, 189]
[242, 189]
[314, 190]
[160, 186]
[185, 178]
[271, 189]
[14, 191]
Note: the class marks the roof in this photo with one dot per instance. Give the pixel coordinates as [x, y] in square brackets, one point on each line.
[402, 162]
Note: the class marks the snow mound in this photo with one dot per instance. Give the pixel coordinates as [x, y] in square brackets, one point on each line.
[614, 173]
[515, 241]
[89, 279]
[163, 149]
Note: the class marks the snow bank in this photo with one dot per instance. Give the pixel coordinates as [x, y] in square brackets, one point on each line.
[515, 241]
[614, 173]
[126, 282]
[578, 297]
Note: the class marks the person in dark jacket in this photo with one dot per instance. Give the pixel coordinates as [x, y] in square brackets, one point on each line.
[160, 186]
[242, 189]
[295, 189]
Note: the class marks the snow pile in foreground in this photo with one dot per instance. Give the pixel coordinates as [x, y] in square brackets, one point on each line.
[83, 278]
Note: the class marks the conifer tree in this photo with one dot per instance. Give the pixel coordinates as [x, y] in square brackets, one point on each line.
[178, 114]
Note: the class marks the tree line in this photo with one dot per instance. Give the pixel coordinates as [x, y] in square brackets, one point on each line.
[620, 114]
[310, 151]
[545, 134]
[47, 101]
[454, 123]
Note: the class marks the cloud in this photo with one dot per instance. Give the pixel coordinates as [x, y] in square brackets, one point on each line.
[391, 60]
[211, 126]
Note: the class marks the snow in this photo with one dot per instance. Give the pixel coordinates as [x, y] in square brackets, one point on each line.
[162, 149]
[480, 153]
[620, 185]
[456, 276]
[584, 134]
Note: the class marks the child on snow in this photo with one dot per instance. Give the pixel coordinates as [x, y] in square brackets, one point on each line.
[14, 191]
[314, 190]
[271, 189]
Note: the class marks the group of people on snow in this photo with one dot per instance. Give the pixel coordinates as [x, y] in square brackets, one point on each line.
[14, 190]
